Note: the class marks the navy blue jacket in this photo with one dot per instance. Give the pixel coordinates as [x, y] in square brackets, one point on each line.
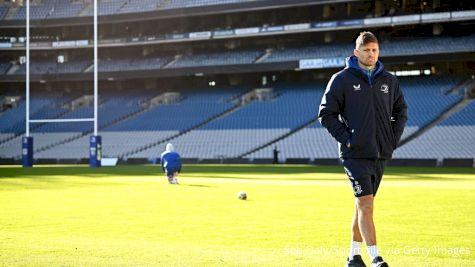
[366, 109]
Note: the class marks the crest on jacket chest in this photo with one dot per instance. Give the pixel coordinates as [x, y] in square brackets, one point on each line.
[385, 88]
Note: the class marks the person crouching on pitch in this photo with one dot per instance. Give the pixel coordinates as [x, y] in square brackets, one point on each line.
[171, 163]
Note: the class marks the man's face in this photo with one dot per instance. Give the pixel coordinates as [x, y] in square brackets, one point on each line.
[367, 55]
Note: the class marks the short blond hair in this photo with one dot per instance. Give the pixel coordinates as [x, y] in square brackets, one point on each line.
[364, 38]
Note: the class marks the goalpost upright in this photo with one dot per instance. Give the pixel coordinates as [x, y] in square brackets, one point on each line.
[95, 144]
[27, 140]
[95, 141]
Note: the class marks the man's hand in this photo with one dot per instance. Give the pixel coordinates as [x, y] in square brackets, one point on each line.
[348, 143]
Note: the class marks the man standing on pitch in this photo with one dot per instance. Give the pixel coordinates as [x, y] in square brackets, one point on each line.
[364, 110]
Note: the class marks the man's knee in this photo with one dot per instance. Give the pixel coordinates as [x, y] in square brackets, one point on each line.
[365, 204]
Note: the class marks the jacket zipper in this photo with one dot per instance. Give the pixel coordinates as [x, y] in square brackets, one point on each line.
[378, 147]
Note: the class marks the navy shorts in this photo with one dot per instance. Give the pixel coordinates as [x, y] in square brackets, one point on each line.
[365, 175]
[171, 171]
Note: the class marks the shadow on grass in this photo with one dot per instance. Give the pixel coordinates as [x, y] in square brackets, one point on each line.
[83, 171]
[153, 170]
[196, 185]
[402, 171]
[221, 171]
[340, 178]
[269, 178]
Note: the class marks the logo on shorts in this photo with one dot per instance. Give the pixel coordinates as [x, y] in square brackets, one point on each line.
[385, 88]
[348, 173]
[357, 188]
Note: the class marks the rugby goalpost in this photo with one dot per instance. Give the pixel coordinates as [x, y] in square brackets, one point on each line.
[95, 146]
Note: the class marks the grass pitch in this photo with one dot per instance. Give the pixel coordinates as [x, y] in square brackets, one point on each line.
[294, 216]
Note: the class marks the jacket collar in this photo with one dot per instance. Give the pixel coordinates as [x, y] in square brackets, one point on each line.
[352, 65]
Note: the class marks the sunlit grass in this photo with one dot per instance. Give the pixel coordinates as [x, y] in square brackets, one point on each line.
[294, 216]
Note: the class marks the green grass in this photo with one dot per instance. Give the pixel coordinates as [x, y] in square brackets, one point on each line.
[294, 216]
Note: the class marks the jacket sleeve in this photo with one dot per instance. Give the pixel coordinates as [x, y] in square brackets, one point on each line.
[179, 161]
[330, 108]
[399, 115]
[162, 162]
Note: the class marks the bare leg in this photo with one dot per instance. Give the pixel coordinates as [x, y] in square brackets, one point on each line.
[365, 219]
[357, 239]
[355, 230]
[170, 178]
[175, 174]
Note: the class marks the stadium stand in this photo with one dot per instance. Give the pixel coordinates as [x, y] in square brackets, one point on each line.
[52, 67]
[148, 125]
[107, 7]
[243, 48]
[402, 47]
[133, 64]
[3, 10]
[311, 142]
[47, 9]
[117, 143]
[249, 126]
[6, 136]
[214, 59]
[216, 144]
[233, 134]
[13, 120]
[194, 3]
[36, 11]
[397, 47]
[136, 6]
[425, 96]
[453, 138]
[4, 67]
[66, 9]
[195, 108]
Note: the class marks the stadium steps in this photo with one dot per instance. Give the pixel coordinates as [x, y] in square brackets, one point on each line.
[31, 128]
[470, 91]
[11, 13]
[171, 62]
[270, 143]
[15, 66]
[267, 54]
[72, 138]
[61, 141]
[66, 102]
[469, 86]
[125, 117]
[90, 68]
[15, 135]
[237, 98]
[234, 108]
[163, 3]
[59, 116]
[159, 142]
[9, 68]
[86, 9]
[459, 86]
[36, 125]
[103, 126]
[121, 7]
